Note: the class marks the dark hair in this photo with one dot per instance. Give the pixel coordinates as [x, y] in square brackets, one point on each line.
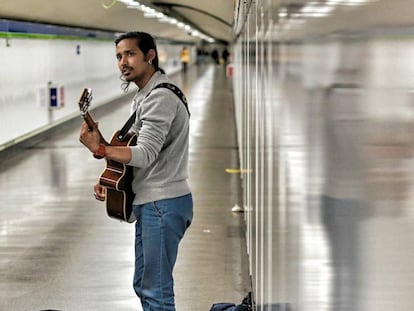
[145, 42]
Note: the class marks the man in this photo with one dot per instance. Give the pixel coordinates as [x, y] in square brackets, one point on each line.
[185, 58]
[163, 203]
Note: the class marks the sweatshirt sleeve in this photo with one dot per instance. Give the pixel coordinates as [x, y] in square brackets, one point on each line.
[157, 113]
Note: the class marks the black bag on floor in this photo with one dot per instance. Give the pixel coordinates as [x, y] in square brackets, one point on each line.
[226, 306]
[246, 305]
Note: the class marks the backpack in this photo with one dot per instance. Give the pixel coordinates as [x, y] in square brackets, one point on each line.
[227, 306]
[246, 305]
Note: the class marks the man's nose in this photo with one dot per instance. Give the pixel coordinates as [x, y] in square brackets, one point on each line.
[123, 60]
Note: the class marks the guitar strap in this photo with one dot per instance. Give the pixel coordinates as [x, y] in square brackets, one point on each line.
[125, 129]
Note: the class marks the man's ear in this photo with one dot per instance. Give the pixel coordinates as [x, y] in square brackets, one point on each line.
[150, 55]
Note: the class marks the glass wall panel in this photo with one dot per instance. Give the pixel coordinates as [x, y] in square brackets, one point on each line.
[324, 111]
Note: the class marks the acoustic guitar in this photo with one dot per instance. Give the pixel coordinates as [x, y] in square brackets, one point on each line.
[117, 177]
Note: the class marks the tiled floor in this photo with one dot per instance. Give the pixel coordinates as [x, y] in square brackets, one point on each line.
[58, 248]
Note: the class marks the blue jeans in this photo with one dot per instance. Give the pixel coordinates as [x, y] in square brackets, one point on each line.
[160, 227]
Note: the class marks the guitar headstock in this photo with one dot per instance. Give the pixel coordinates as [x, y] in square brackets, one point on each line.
[85, 101]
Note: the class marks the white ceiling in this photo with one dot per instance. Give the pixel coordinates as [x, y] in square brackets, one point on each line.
[215, 19]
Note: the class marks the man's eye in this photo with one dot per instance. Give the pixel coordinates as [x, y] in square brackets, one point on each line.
[130, 53]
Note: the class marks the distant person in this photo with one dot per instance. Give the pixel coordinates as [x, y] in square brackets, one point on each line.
[185, 58]
[215, 56]
[225, 55]
[200, 56]
[163, 204]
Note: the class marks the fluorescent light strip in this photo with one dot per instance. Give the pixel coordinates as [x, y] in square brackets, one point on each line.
[162, 18]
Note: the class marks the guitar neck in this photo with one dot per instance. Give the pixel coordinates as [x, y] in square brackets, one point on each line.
[91, 124]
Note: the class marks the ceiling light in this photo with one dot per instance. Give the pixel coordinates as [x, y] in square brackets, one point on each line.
[150, 12]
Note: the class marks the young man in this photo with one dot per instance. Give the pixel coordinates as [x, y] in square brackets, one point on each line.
[185, 58]
[163, 203]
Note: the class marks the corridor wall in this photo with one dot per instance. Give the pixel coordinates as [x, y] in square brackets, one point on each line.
[324, 112]
[31, 63]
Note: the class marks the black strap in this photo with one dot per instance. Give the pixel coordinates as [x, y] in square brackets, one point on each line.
[125, 129]
[176, 91]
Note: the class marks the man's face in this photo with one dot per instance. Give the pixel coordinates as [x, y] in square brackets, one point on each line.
[131, 60]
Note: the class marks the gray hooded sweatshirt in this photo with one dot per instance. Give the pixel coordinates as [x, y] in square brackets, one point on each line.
[160, 158]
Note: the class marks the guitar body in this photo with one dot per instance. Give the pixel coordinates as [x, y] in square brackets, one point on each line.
[117, 178]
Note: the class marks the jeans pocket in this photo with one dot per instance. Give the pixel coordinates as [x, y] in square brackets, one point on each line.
[158, 207]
